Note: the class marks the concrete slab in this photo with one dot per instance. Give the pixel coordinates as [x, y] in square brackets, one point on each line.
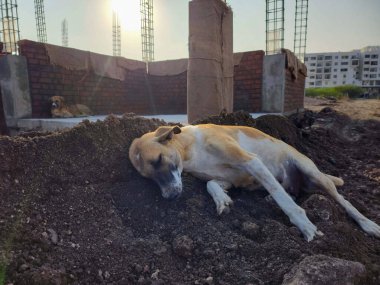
[53, 124]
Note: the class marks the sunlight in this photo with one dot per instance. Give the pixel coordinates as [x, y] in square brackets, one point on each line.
[129, 13]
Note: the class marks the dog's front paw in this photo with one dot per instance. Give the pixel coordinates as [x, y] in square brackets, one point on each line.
[371, 228]
[309, 231]
[223, 203]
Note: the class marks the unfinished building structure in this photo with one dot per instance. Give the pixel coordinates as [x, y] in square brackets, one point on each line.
[107, 84]
[274, 26]
[10, 32]
[116, 34]
[40, 20]
[300, 28]
[65, 33]
[147, 30]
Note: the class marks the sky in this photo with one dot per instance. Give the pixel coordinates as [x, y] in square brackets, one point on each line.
[333, 25]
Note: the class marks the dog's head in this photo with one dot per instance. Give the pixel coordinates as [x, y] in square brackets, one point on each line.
[57, 102]
[154, 157]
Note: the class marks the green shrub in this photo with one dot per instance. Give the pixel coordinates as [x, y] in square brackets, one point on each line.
[337, 92]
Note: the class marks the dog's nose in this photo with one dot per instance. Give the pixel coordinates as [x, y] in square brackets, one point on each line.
[173, 195]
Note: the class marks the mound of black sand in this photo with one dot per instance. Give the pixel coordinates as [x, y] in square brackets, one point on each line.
[279, 127]
[74, 211]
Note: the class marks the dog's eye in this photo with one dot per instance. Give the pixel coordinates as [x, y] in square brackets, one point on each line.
[157, 163]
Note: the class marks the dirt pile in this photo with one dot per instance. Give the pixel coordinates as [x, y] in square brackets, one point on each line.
[74, 211]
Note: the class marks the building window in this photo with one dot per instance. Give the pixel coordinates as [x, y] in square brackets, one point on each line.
[343, 82]
[336, 63]
[318, 83]
[373, 62]
[336, 57]
[354, 57]
[366, 62]
[327, 76]
[373, 69]
[374, 56]
[355, 62]
[312, 77]
[334, 82]
[319, 64]
[313, 58]
[344, 56]
[327, 70]
[328, 63]
[319, 76]
[343, 69]
[312, 70]
[312, 64]
[367, 56]
[311, 83]
[366, 69]
[319, 70]
[344, 63]
[335, 76]
[320, 57]
[335, 70]
[372, 76]
[328, 57]
[306, 59]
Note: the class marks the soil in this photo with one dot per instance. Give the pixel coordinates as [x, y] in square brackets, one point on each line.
[74, 211]
[360, 109]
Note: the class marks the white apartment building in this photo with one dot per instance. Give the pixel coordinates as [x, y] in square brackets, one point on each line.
[357, 67]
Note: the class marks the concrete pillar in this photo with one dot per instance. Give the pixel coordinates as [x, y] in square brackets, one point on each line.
[14, 84]
[273, 95]
[210, 69]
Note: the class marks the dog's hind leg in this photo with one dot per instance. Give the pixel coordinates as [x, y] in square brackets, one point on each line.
[336, 180]
[327, 183]
[217, 190]
[295, 213]
[249, 163]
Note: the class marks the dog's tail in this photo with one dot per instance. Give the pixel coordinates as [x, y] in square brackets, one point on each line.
[308, 168]
[336, 180]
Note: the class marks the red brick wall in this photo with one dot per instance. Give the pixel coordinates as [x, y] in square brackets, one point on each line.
[172, 92]
[294, 92]
[248, 80]
[103, 95]
[139, 93]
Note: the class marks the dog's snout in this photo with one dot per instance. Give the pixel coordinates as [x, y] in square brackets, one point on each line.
[54, 105]
[173, 196]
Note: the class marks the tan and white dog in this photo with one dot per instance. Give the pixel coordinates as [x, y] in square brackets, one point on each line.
[227, 156]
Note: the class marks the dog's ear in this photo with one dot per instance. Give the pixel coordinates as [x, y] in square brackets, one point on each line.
[166, 133]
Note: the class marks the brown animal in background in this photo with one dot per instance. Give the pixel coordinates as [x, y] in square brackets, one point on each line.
[60, 110]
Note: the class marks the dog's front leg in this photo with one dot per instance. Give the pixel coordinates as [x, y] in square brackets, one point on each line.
[217, 190]
[295, 213]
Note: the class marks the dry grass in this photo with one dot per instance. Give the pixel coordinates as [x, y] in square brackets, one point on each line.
[360, 109]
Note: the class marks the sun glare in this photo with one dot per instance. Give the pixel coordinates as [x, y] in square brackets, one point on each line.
[129, 13]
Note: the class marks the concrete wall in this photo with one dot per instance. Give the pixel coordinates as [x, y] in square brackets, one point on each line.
[273, 83]
[281, 92]
[14, 86]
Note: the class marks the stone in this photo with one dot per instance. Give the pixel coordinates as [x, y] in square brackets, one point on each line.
[183, 246]
[322, 269]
